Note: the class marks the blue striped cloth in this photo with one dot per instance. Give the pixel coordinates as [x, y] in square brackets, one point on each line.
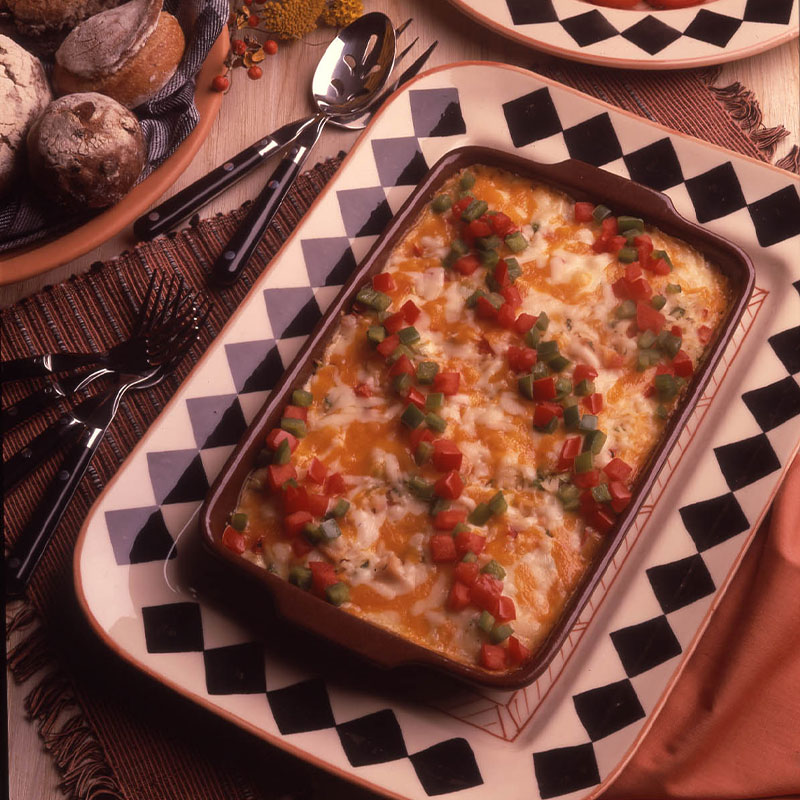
[166, 121]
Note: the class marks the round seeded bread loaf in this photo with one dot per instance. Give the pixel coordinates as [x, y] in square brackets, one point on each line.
[24, 94]
[86, 150]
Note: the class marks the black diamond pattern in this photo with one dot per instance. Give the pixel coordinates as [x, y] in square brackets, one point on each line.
[717, 29]
[139, 535]
[192, 484]
[301, 707]
[446, 767]
[329, 262]
[593, 141]
[236, 669]
[774, 404]
[255, 366]
[565, 770]
[531, 12]
[531, 117]
[651, 34]
[608, 709]
[655, 165]
[373, 739]
[777, 216]
[173, 628]
[777, 12]
[436, 112]
[646, 645]
[747, 461]
[711, 522]
[292, 312]
[680, 583]
[216, 421]
[589, 28]
[786, 345]
[716, 193]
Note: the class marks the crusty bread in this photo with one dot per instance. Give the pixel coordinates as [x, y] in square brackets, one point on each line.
[24, 94]
[86, 150]
[44, 17]
[128, 53]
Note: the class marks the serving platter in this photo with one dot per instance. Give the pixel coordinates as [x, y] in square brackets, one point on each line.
[40, 257]
[567, 733]
[643, 37]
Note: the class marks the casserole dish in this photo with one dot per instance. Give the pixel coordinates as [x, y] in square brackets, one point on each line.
[584, 184]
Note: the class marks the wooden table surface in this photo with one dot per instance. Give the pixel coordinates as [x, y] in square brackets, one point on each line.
[252, 108]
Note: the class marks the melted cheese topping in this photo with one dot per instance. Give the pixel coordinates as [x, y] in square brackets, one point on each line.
[383, 553]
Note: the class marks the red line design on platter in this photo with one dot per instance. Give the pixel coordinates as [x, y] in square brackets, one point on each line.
[518, 707]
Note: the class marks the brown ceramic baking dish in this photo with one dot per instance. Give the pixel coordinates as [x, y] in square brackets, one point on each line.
[582, 182]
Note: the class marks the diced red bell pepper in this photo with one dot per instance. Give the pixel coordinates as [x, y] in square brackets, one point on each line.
[659, 266]
[544, 388]
[447, 520]
[704, 334]
[542, 415]
[318, 504]
[447, 383]
[363, 390]
[296, 412]
[485, 593]
[335, 484]
[402, 366]
[317, 471]
[642, 239]
[419, 435]
[446, 455]
[583, 372]
[295, 498]
[620, 495]
[278, 474]
[479, 228]
[484, 309]
[616, 243]
[233, 540]
[383, 282]
[277, 435]
[394, 322]
[443, 548]
[649, 390]
[617, 469]
[466, 572]
[388, 345]
[458, 599]
[602, 520]
[682, 364]
[517, 653]
[512, 296]
[647, 318]
[460, 206]
[466, 265]
[410, 311]
[620, 289]
[501, 224]
[449, 486]
[501, 274]
[301, 546]
[583, 212]
[323, 575]
[588, 504]
[676, 330]
[609, 227]
[294, 522]
[593, 403]
[569, 450]
[524, 323]
[602, 244]
[469, 542]
[633, 272]
[665, 369]
[505, 609]
[493, 656]
[505, 316]
[521, 359]
[644, 249]
[585, 480]
[639, 290]
[416, 397]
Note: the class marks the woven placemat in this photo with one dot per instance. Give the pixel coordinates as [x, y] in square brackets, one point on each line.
[113, 732]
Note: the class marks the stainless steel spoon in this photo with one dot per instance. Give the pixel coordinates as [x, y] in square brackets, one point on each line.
[351, 73]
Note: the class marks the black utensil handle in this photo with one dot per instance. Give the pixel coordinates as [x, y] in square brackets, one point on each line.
[33, 541]
[35, 402]
[42, 366]
[234, 257]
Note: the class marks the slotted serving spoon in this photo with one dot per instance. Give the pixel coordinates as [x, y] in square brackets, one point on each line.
[351, 73]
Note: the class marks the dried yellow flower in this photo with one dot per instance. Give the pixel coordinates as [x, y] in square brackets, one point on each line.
[291, 19]
[339, 13]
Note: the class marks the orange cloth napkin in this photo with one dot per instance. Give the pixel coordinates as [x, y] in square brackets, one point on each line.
[731, 726]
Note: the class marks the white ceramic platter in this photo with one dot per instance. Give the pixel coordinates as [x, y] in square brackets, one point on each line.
[641, 38]
[566, 734]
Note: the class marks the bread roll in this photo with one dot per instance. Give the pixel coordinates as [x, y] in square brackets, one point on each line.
[128, 53]
[24, 94]
[86, 150]
[46, 17]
